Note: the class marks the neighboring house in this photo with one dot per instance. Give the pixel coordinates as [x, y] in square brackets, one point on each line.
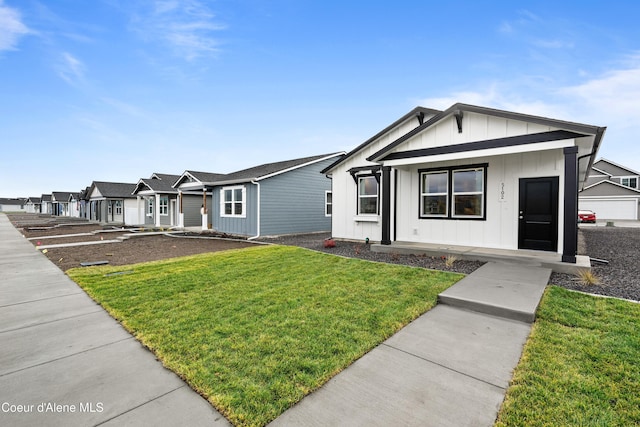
[32, 205]
[113, 203]
[470, 176]
[45, 204]
[13, 205]
[278, 198]
[84, 203]
[74, 205]
[612, 191]
[60, 203]
[192, 198]
[158, 200]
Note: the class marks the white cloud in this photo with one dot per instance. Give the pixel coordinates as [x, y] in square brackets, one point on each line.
[71, 69]
[185, 26]
[11, 27]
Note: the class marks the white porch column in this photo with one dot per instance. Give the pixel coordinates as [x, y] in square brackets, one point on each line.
[156, 211]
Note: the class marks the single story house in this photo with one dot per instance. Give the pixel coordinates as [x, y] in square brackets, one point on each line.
[74, 205]
[193, 207]
[286, 197]
[113, 202]
[13, 205]
[158, 200]
[468, 175]
[32, 205]
[612, 191]
[45, 204]
[60, 203]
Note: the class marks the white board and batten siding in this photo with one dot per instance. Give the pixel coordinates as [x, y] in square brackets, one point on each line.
[505, 168]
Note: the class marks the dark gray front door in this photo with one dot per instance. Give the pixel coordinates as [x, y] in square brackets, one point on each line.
[538, 215]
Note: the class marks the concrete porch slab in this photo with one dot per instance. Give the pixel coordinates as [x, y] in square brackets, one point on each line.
[505, 290]
[545, 259]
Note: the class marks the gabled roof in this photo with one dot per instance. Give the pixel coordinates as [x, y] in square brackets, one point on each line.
[268, 170]
[197, 178]
[459, 108]
[599, 172]
[614, 188]
[74, 196]
[255, 173]
[113, 190]
[419, 113]
[60, 196]
[45, 198]
[158, 183]
[602, 165]
[34, 200]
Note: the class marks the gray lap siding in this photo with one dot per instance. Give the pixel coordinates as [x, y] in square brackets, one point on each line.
[246, 226]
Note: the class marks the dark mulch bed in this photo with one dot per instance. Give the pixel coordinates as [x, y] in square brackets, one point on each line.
[621, 277]
[139, 249]
[363, 251]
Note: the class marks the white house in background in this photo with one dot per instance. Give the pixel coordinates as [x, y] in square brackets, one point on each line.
[612, 191]
[13, 205]
[158, 200]
[74, 205]
[45, 204]
[468, 175]
[32, 205]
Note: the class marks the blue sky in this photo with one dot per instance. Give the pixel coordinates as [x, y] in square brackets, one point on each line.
[114, 90]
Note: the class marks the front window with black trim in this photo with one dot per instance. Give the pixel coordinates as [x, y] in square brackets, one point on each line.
[458, 192]
[367, 195]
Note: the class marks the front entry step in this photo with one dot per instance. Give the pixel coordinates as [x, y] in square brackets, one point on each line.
[507, 290]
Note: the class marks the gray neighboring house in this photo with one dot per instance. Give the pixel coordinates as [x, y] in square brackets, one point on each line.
[612, 191]
[194, 196]
[13, 204]
[113, 203]
[158, 200]
[287, 197]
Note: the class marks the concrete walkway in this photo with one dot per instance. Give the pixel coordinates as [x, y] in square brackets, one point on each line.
[450, 367]
[68, 363]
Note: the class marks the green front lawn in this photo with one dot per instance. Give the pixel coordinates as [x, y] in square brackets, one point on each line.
[255, 330]
[580, 367]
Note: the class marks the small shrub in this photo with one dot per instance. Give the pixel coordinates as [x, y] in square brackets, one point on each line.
[587, 277]
[357, 249]
[450, 260]
[329, 243]
[395, 257]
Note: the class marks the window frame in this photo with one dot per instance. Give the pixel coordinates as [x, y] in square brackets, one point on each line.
[628, 179]
[163, 208]
[451, 170]
[424, 194]
[118, 205]
[150, 206]
[233, 202]
[359, 197]
[328, 204]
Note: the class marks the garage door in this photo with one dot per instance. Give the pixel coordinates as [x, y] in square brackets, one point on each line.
[611, 209]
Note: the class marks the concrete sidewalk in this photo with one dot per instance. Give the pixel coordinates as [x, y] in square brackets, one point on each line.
[450, 367]
[68, 363]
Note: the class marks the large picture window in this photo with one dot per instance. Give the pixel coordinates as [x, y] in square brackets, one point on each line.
[367, 195]
[457, 193]
[232, 201]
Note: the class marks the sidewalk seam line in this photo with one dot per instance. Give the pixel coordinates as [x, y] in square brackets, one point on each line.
[44, 299]
[67, 356]
[52, 321]
[445, 367]
[140, 405]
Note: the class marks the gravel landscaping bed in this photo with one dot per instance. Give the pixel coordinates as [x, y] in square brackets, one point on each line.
[621, 276]
[363, 251]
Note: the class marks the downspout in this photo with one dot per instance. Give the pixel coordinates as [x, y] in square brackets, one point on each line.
[257, 210]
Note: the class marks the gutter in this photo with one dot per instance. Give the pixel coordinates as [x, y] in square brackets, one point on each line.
[253, 181]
